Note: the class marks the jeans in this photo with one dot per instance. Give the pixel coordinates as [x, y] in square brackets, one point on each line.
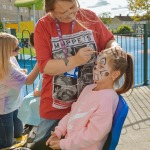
[44, 129]
[10, 127]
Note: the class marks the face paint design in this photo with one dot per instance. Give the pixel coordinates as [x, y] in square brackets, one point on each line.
[101, 69]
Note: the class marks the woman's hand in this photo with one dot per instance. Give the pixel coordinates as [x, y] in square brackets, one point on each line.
[116, 50]
[84, 55]
[119, 51]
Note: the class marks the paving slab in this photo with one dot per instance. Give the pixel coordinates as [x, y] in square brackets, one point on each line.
[135, 134]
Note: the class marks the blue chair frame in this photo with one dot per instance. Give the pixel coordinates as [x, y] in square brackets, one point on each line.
[118, 121]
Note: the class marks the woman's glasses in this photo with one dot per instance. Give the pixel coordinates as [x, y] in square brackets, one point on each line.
[67, 13]
[16, 49]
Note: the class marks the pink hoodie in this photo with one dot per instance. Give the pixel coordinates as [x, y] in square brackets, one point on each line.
[87, 126]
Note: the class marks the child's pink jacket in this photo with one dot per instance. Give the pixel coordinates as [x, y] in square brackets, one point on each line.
[87, 126]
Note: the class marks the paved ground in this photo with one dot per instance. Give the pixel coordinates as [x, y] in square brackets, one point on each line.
[136, 131]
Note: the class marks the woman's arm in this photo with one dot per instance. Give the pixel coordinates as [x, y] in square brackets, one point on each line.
[116, 48]
[43, 47]
[112, 43]
[56, 67]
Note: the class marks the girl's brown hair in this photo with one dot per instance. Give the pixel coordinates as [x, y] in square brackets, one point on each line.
[32, 39]
[49, 4]
[126, 68]
[49, 7]
[122, 64]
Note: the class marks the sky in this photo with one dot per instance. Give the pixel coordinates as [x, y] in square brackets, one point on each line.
[115, 7]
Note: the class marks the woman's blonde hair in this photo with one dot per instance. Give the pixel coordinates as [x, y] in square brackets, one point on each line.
[8, 43]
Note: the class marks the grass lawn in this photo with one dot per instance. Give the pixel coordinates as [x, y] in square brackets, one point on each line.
[24, 35]
[27, 51]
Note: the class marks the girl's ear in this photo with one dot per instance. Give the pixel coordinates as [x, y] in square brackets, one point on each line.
[115, 75]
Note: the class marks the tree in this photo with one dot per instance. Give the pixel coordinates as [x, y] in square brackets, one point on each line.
[1, 26]
[124, 29]
[140, 8]
[105, 17]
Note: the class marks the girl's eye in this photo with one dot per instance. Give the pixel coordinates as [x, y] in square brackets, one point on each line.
[73, 7]
[64, 12]
[102, 62]
[101, 66]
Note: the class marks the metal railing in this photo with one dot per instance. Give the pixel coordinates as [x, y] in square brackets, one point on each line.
[139, 47]
[27, 59]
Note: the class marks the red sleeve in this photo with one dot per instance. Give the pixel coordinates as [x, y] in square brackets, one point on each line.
[91, 21]
[102, 35]
[42, 44]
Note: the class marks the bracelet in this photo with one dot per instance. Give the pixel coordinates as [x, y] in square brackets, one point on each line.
[66, 61]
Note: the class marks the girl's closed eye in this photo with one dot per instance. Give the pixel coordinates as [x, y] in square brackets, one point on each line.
[101, 65]
[73, 7]
[103, 61]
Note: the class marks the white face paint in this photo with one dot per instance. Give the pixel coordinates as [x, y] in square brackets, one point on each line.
[101, 69]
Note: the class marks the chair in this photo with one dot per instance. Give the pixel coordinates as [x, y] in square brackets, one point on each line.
[118, 121]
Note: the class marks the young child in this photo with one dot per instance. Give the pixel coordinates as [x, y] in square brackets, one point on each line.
[12, 79]
[29, 111]
[87, 126]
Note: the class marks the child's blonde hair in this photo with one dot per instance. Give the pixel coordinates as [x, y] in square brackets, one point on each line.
[8, 43]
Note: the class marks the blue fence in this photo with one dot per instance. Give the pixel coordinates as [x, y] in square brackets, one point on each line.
[135, 46]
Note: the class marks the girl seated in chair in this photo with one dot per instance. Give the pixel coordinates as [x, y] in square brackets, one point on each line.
[87, 126]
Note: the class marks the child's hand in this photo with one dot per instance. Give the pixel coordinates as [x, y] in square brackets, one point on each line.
[55, 144]
[53, 137]
[24, 71]
[37, 92]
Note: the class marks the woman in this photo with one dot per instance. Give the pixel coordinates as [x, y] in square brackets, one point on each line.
[66, 41]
